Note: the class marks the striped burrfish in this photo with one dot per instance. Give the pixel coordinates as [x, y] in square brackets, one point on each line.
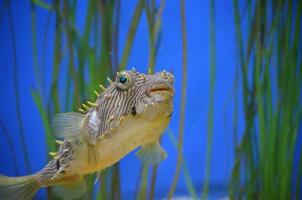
[133, 111]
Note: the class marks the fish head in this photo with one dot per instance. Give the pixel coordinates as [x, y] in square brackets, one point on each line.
[145, 91]
[134, 93]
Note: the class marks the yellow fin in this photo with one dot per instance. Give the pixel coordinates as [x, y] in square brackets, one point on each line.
[152, 153]
[67, 125]
[23, 187]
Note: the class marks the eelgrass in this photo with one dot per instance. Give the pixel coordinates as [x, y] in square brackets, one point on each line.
[10, 146]
[16, 89]
[271, 98]
[187, 176]
[154, 17]
[131, 33]
[182, 101]
[205, 189]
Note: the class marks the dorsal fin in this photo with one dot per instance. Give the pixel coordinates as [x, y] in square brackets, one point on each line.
[66, 125]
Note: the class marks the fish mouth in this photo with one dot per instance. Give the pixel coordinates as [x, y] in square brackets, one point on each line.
[161, 89]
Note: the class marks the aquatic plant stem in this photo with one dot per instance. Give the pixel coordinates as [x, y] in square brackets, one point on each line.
[71, 65]
[16, 90]
[131, 33]
[37, 72]
[205, 189]
[249, 108]
[142, 192]
[272, 100]
[54, 90]
[116, 35]
[10, 146]
[115, 183]
[182, 101]
[45, 119]
[154, 24]
[153, 181]
[188, 180]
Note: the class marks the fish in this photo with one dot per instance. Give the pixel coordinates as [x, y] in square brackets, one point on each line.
[131, 112]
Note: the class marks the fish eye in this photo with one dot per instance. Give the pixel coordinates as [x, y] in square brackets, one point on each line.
[124, 80]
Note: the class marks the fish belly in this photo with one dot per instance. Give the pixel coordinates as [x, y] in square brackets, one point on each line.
[134, 132]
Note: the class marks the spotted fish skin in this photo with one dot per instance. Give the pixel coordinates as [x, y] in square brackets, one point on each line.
[132, 111]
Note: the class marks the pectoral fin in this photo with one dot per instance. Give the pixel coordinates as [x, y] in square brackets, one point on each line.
[152, 153]
[66, 125]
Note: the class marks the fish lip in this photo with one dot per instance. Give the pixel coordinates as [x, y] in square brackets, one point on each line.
[161, 89]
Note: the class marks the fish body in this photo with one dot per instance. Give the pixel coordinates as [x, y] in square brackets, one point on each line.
[132, 111]
[134, 131]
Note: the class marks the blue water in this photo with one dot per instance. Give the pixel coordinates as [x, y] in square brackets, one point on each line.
[169, 57]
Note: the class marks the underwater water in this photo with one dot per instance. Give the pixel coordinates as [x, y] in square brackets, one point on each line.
[53, 55]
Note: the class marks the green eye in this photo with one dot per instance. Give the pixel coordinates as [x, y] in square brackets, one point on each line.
[123, 79]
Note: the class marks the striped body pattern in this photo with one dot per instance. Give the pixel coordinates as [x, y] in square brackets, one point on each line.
[133, 111]
[118, 101]
[57, 166]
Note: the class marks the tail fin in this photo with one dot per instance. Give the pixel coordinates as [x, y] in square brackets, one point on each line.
[18, 187]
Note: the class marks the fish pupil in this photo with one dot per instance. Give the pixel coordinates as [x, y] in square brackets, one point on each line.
[123, 79]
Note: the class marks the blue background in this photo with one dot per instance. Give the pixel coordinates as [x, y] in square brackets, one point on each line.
[169, 57]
